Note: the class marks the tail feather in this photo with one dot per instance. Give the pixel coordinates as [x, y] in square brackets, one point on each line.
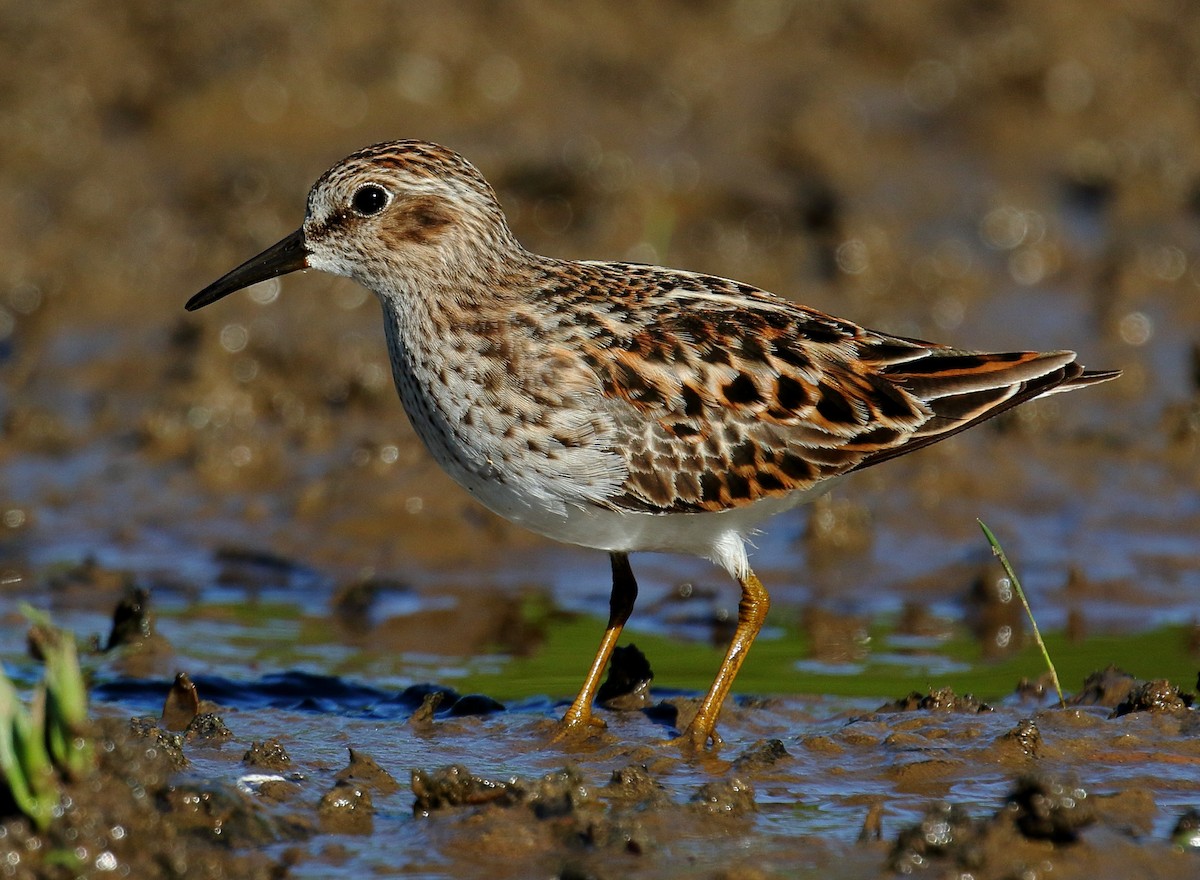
[963, 389]
[1085, 378]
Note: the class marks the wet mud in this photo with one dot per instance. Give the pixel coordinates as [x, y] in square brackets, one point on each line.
[938, 785]
[311, 655]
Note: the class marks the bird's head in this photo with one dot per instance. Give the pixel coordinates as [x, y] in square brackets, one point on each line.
[394, 217]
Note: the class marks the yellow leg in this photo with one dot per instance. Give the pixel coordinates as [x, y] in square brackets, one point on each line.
[752, 611]
[620, 605]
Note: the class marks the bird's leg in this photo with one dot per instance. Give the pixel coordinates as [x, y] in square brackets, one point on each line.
[752, 611]
[620, 605]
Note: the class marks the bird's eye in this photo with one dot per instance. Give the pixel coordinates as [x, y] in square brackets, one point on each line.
[369, 199]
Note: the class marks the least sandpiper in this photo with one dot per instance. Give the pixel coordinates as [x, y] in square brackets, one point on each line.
[622, 406]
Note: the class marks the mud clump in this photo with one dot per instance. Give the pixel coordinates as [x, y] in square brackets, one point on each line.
[940, 700]
[364, 770]
[267, 755]
[1124, 694]
[208, 728]
[456, 786]
[556, 794]
[635, 785]
[1048, 809]
[761, 755]
[569, 827]
[346, 808]
[726, 797]
[218, 813]
[558, 813]
[946, 834]
[1025, 737]
[169, 744]
[1158, 696]
[422, 717]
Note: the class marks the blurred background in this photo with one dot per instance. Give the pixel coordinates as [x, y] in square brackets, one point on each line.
[1005, 174]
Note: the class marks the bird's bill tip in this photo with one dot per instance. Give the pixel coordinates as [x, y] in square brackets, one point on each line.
[288, 255]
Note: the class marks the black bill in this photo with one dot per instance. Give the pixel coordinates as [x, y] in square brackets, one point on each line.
[281, 258]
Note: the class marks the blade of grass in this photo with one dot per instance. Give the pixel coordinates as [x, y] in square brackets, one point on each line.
[24, 762]
[66, 716]
[66, 709]
[1037, 635]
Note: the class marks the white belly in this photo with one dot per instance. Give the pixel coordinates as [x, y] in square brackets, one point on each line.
[717, 536]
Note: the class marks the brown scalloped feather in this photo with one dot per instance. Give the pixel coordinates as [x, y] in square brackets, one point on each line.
[723, 395]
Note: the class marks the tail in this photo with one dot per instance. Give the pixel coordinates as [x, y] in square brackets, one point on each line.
[961, 389]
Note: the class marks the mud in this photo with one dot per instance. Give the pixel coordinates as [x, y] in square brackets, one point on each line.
[935, 789]
[236, 496]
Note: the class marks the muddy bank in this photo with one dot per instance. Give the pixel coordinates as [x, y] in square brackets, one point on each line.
[930, 785]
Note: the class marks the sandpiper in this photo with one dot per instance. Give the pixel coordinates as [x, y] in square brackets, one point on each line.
[621, 406]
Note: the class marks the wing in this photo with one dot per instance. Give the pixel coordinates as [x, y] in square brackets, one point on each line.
[722, 394]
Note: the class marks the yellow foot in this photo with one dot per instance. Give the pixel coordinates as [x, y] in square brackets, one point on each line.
[695, 740]
[577, 726]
